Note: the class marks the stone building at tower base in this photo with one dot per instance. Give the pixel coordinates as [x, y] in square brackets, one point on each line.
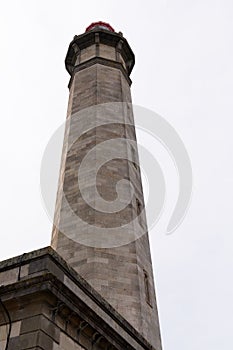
[52, 307]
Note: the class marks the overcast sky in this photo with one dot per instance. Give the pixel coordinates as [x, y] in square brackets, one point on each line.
[183, 71]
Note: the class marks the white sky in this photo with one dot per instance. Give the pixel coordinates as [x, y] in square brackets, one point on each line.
[183, 71]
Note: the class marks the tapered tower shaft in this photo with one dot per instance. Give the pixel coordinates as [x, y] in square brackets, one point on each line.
[99, 228]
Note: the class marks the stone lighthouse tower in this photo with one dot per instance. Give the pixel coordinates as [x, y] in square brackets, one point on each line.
[93, 289]
[100, 225]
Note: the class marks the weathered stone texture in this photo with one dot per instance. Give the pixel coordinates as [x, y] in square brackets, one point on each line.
[53, 308]
[123, 274]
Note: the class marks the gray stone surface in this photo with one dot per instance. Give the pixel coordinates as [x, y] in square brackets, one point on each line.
[100, 63]
[54, 308]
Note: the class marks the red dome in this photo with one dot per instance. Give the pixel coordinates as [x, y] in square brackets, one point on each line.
[102, 25]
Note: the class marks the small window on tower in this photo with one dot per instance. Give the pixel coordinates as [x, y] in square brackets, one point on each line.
[147, 288]
[139, 207]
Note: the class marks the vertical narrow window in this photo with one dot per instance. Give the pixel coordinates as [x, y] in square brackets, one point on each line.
[147, 288]
[139, 207]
